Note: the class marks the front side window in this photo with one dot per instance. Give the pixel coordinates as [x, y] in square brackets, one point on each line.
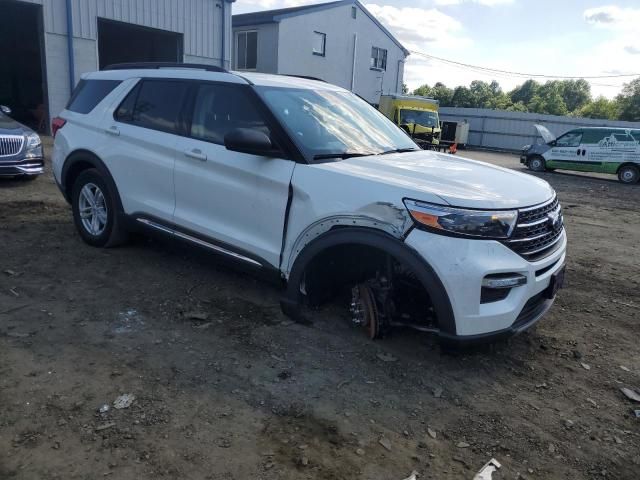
[157, 105]
[247, 50]
[378, 58]
[319, 43]
[89, 93]
[332, 124]
[220, 109]
[571, 139]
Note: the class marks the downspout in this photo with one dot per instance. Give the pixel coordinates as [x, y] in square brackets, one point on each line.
[224, 21]
[353, 66]
[398, 86]
[72, 69]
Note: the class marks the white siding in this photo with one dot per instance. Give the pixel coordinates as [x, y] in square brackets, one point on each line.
[295, 52]
[199, 21]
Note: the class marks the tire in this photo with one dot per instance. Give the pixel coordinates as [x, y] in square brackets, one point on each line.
[537, 164]
[629, 174]
[99, 224]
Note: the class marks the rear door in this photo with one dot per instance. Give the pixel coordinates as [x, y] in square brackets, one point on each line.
[142, 154]
[235, 201]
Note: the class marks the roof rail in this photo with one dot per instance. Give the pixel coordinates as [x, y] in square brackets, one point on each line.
[158, 65]
[305, 77]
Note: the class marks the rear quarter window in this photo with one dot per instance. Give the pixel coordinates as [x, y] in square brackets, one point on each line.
[89, 93]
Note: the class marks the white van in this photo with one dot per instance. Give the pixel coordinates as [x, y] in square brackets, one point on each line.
[588, 149]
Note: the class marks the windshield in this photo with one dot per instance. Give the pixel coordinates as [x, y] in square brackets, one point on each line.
[419, 117]
[327, 124]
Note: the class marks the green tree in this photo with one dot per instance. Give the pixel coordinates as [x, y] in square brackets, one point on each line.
[524, 93]
[548, 99]
[629, 101]
[443, 94]
[576, 93]
[602, 108]
[423, 91]
[462, 97]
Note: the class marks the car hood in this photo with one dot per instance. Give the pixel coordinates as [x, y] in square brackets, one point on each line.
[544, 132]
[458, 181]
[9, 126]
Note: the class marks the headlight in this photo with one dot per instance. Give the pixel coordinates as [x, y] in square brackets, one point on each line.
[474, 223]
[33, 140]
[34, 146]
[526, 147]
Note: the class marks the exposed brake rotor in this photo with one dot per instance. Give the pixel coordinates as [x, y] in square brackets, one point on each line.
[365, 310]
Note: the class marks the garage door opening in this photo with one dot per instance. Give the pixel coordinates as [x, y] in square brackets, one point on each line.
[22, 78]
[120, 42]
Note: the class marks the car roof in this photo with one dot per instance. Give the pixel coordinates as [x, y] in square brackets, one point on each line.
[612, 129]
[251, 78]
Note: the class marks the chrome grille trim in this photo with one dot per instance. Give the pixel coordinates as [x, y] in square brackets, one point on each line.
[10, 145]
[538, 231]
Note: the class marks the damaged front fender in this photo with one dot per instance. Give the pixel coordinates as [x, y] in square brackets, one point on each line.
[385, 217]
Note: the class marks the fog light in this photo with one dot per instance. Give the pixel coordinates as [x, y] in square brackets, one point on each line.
[502, 280]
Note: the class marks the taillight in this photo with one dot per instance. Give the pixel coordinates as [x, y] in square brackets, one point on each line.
[56, 124]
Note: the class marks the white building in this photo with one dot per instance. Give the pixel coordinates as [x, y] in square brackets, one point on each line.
[48, 44]
[340, 42]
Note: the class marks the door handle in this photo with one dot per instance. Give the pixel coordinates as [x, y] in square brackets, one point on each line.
[113, 130]
[196, 154]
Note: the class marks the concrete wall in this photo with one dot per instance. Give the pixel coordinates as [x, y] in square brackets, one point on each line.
[502, 130]
[295, 51]
[199, 21]
[267, 46]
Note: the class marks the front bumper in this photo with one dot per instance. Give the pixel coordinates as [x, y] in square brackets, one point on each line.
[27, 166]
[461, 264]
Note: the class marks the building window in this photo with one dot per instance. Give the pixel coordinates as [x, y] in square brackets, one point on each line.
[319, 43]
[247, 50]
[354, 12]
[378, 58]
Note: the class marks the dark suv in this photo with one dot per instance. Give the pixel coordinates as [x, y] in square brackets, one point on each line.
[20, 149]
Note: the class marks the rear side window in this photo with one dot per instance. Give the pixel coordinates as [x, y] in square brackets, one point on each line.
[154, 104]
[89, 93]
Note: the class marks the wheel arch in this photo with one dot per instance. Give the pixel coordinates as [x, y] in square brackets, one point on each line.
[77, 162]
[293, 298]
[627, 164]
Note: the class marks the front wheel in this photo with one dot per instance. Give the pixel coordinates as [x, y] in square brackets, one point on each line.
[94, 211]
[629, 174]
[537, 164]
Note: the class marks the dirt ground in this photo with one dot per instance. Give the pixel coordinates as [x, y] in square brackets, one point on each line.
[243, 393]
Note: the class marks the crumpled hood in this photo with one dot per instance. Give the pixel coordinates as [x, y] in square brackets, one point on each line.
[458, 181]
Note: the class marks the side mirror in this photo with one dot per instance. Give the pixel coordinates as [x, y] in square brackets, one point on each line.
[248, 140]
[553, 143]
[6, 110]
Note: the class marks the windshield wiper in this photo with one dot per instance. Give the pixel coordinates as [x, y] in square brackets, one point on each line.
[343, 155]
[400, 150]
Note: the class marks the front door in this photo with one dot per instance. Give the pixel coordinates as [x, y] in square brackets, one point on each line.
[566, 152]
[236, 200]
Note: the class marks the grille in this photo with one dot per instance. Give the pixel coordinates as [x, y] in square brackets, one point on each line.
[10, 145]
[538, 231]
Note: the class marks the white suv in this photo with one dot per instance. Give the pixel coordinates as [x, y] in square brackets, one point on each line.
[304, 181]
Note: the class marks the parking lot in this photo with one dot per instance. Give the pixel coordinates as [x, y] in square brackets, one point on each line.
[226, 387]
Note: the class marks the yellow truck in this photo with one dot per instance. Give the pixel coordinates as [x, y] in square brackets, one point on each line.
[418, 116]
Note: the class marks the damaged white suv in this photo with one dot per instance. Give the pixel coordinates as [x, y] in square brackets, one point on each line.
[305, 181]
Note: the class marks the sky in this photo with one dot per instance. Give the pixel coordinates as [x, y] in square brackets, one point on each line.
[549, 37]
